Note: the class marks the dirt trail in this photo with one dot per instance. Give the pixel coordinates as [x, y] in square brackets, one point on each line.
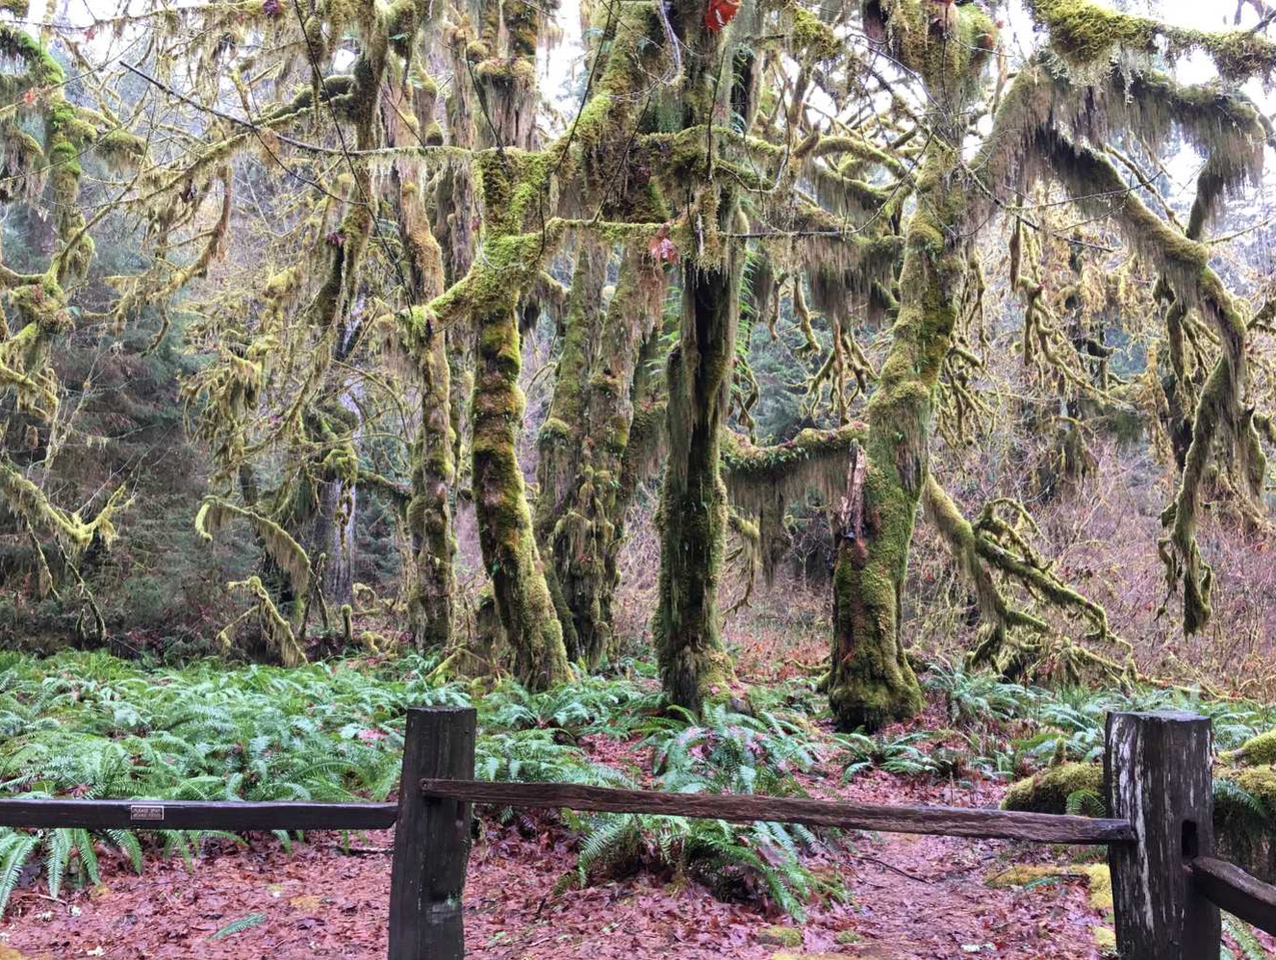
[930, 902]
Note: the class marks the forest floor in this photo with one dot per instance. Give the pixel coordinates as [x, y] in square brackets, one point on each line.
[905, 898]
[931, 903]
[883, 897]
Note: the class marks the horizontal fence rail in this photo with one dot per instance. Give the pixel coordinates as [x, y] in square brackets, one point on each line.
[196, 815]
[942, 821]
[1232, 889]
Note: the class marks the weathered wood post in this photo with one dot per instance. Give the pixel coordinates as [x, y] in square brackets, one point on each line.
[1157, 771]
[431, 838]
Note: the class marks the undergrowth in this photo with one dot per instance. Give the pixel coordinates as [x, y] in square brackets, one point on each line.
[89, 725]
[93, 726]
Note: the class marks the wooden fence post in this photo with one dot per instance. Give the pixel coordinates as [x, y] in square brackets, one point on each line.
[1157, 771]
[431, 838]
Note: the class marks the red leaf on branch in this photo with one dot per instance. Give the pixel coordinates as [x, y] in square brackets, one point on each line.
[720, 13]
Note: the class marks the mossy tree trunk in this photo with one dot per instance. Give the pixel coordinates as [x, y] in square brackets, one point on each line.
[429, 515]
[615, 379]
[581, 507]
[871, 682]
[510, 552]
[500, 501]
[692, 517]
[565, 448]
[694, 664]
[508, 180]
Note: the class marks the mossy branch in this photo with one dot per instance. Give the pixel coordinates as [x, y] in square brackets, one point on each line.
[279, 544]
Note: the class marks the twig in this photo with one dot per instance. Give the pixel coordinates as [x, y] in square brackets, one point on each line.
[891, 866]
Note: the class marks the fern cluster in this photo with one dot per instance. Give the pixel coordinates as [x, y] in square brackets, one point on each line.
[1067, 723]
[89, 725]
[724, 752]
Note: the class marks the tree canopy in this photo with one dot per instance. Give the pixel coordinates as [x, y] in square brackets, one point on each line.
[352, 214]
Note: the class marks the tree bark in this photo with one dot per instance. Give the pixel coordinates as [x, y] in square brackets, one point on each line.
[692, 518]
[871, 683]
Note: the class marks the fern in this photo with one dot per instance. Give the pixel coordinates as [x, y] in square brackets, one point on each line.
[56, 858]
[1085, 803]
[15, 850]
[239, 926]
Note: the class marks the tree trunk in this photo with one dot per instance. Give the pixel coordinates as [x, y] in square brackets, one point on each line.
[500, 503]
[562, 527]
[581, 508]
[694, 665]
[429, 513]
[871, 682]
[333, 536]
[506, 92]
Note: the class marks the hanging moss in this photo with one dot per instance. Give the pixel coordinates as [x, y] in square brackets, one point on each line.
[28, 502]
[279, 544]
[274, 626]
[1043, 126]
[1086, 33]
[946, 45]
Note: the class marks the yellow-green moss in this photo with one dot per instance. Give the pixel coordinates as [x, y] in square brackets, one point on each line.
[1086, 33]
[1257, 751]
[1048, 791]
[813, 35]
[1096, 875]
[781, 936]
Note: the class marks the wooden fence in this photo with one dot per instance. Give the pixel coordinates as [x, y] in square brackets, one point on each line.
[1167, 885]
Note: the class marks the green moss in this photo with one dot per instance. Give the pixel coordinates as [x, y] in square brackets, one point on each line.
[1097, 876]
[1048, 791]
[813, 35]
[781, 936]
[119, 148]
[947, 45]
[1257, 751]
[1086, 34]
[1259, 782]
[44, 69]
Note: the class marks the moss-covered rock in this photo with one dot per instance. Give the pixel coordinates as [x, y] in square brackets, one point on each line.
[781, 936]
[1048, 791]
